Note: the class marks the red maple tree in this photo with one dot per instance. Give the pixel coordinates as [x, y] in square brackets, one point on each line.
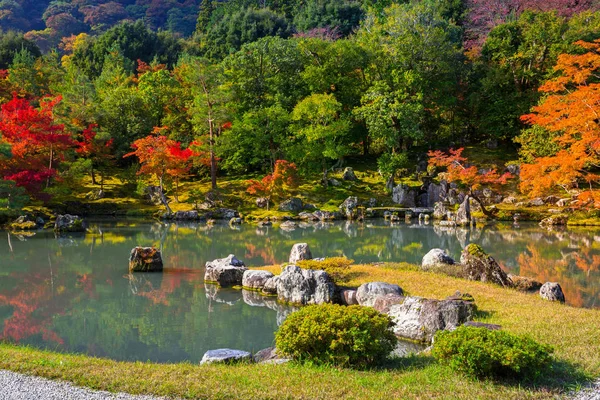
[276, 184]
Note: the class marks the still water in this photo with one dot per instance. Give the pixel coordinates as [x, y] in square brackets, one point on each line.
[73, 293]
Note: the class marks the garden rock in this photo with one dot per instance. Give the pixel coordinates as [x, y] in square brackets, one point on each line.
[524, 284]
[436, 259]
[227, 271]
[226, 356]
[384, 303]
[479, 266]
[304, 286]
[349, 175]
[368, 293]
[186, 215]
[300, 251]
[536, 202]
[145, 259]
[404, 196]
[439, 210]
[419, 319]
[294, 205]
[255, 280]
[491, 327]
[69, 223]
[262, 202]
[270, 286]
[552, 291]
[269, 356]
[334, 182]
[349, 206]
[348, 297]
[555, 220]
[463, 215]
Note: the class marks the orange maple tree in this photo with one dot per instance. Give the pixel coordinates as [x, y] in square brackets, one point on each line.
[283, 178]
[571, 109]
[458, 170]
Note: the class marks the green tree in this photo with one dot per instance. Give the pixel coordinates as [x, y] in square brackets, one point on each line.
[12, 43]
[342, 15]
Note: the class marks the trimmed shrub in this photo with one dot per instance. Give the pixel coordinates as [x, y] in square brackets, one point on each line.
[336, 267]
[338, 335]
[480, 352]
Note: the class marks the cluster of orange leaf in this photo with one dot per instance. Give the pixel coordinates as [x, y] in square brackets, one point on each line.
[571, 110]
[284, 177]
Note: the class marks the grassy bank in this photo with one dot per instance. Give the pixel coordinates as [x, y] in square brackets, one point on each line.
[574, 333]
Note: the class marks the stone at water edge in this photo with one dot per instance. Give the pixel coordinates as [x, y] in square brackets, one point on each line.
[367, 293]
[305, 286]
[463, 215]
[479, 266]
[145, 259]
[227, 271]
[552, 291]
[270, 286]
[300, 251]
[69, 223]
[254, 279]
[293, 204]
[226, 356]
[435, 259]
[349, 206]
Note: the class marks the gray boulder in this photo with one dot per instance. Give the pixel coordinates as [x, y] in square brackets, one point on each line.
[270, 286]
[186, 215]
[227, 271]
[404, 195]
[334, 182]
[269, 356]
[300, 251]
[255, 279]
[536, 202]
[524, 284]
[463, 215]
[439, 211]
[419, 319]
[552, 291]
[479, 266]
[226, 356]
[293, 204]
[154, 195]
[304, 286]
[348, 297]
[262, 202]
[145, 259]
[434, 192]
[367, 293]
[349, 175]
[385, 302]
[349, 206]
[69, 223]
[436, 259]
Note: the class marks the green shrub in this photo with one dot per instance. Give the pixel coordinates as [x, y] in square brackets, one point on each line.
[336, 267]
[338, 335]
[480, 352]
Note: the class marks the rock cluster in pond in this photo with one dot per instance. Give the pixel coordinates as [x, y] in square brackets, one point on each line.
[145, 259]
[255, 279]
[367, 293]
[69, 223]
[226, 356]
[304, 286]
[552, 291]
[419, 319]
[300, 251]
[477, 265]
[227, 271]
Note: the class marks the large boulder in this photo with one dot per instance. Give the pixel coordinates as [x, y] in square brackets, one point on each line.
[436, 259]
[524, 284]
[349, 206]
[69, 223]
[145, 259]
[305, 286]
[270, 286]
[154, 195]
[463, 215]
[262, 202]
[479, 266]
[349, 175]
[191, 215]
[419, 319]
[440, 211]
[226, 356]
[227, 271]
[300, 251]
[384, 303]
[367, 293]
[404, 195]
[348, 297]
[434, 192]
[292, 205]
[552, 291]
[269, 356]
[255, 280]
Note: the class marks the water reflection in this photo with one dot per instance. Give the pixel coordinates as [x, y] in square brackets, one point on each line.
[73, 292]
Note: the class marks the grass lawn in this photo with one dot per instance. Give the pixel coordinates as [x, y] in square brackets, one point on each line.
[574, 333]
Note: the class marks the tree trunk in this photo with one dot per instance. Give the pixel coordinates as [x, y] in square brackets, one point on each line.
[325, 180]
[93, 174]
[213, 161]
[50, 165]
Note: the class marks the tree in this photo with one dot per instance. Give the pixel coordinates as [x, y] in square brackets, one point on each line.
[458, 170]
[12, 43]
[98, 150]
[321, 133]
[275, 185]
[570, 112]
[343, 15]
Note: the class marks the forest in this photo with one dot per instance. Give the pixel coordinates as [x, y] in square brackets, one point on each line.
[174, 90]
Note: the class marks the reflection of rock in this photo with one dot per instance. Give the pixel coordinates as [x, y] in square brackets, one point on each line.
[552, 291]
[479, 266]
[226, 356]
[227, 271]
[145, 259]
[367, 293]
[305, 286]
[140, 284]
[254, 279]
[225, 296]
[255, 299]
[419, 319]
[288, 226]
[300, 251]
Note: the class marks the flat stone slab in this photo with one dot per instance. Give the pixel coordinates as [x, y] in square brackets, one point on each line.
[226, 356]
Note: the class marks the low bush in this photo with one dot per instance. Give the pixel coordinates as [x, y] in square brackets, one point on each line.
[337, 267]
[337, 335]
[480, 352]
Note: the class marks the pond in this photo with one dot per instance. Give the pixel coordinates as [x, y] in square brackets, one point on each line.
[73, 293]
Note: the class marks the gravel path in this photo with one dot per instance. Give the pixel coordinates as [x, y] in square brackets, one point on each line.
[590, 393]
[15, 386]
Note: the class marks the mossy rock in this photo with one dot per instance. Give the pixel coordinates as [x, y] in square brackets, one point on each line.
[476, 250]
